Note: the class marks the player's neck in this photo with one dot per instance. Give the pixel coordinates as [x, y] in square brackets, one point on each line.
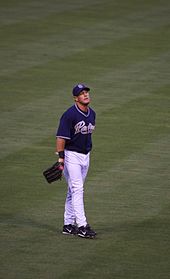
[82, 107]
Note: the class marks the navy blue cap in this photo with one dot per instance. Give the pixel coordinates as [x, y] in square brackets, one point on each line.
[78, 88]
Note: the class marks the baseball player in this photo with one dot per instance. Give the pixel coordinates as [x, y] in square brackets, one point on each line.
[73, 145]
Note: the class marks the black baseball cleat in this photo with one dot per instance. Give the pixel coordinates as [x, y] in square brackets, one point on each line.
[86, 232]
[69, 229]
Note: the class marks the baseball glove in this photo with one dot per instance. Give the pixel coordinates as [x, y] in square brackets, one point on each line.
[54, 173]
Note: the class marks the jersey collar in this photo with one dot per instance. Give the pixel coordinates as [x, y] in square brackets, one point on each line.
[79, 110]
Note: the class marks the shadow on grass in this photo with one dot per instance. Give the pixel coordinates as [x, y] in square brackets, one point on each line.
[24, 221]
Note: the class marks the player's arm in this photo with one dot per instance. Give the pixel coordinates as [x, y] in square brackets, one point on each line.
[60, 145]
[63, 134]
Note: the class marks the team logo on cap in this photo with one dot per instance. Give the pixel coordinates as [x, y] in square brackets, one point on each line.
[80, 86]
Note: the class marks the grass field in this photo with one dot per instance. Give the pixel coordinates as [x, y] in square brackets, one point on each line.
[121, 49]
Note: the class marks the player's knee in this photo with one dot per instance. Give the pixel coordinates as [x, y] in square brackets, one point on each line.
[77, 189]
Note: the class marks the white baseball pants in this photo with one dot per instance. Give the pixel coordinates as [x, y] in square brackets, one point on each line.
[75, 170]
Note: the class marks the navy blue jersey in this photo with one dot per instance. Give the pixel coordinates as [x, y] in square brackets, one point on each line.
[76, 128]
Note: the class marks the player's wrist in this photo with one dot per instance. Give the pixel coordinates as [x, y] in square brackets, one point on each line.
[60, 154]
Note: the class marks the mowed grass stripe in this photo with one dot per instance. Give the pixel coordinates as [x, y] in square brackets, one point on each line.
[67, 42]
[118, 54]
[139, 179]
[127, 128]
[35, 11]
[36, 82]
[141, 78]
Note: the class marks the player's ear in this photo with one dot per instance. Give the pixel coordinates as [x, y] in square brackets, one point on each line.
[75, 98]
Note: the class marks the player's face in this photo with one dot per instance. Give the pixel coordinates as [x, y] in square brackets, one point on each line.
[83, 98]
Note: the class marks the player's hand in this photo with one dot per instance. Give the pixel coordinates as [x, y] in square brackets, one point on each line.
[61, 161]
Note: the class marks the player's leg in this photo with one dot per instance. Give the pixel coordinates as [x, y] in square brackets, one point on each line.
[69, 215]
[86, 231]
[73, 169]
[77, 192]
[85, 167]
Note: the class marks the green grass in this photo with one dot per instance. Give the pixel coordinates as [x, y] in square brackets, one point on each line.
[121, 50]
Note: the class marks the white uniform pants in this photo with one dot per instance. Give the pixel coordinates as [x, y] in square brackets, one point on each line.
[75, 170]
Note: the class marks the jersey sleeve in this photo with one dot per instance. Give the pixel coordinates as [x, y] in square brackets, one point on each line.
[64, 129]
[94, 114]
